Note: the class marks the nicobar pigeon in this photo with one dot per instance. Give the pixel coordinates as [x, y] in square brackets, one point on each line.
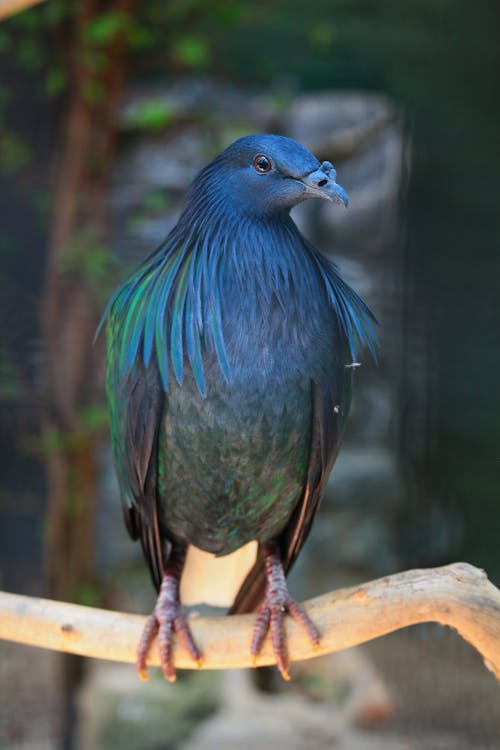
[229, 369]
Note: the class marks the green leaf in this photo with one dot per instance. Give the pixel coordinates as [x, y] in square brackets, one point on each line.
[30, 54]
[5, 42]
[14, 153]
[93, 91]
[88, 594]
[55, 12]
[28, 20]
[56, 81]
[94, 417]
[140, 37]
[321, 37]
[191, 51]
[104, 28]
[156, 201]
[152, 114]
[229, 13]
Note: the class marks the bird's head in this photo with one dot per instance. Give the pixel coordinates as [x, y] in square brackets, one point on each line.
[267, 174]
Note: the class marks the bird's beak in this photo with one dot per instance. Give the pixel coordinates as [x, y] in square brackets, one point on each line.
[321, 184]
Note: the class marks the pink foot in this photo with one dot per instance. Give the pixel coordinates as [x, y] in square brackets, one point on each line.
[167, 618]
[272, 614]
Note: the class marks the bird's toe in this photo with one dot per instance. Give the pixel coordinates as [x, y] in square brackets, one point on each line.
[278, 638]
[181, 627]
[148, 634]
[271, 617]
[300, 615]
[167, 619]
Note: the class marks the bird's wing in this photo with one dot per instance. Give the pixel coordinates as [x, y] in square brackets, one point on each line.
[330, 402]
[137, 403]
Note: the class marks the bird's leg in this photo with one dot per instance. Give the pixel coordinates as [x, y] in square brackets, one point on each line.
[277, 601]
[167, 618]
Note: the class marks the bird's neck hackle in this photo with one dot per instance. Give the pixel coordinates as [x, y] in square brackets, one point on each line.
[172, 309]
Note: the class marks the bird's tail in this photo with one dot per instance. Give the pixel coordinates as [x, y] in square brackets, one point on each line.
[253, 588]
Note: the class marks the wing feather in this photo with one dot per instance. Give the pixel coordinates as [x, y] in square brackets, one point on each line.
[137, 405]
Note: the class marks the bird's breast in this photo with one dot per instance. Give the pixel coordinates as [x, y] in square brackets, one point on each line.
[276, 333]
[233, 462]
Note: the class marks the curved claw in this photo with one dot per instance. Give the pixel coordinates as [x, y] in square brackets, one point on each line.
[272, 614]
[278, 639]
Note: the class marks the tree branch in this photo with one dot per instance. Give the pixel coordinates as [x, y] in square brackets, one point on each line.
[457, 595]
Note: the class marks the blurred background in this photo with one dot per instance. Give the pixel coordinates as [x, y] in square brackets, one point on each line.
[108, 108]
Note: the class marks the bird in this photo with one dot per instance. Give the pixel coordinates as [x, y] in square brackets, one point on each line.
[230, 357]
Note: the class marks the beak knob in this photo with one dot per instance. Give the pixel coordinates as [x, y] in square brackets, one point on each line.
[321, 184]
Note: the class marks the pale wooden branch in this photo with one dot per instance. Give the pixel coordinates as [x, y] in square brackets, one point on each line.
[457, 595]
[9, 7]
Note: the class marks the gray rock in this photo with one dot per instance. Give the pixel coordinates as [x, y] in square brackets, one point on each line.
[288, 720]
[118, 710]
[336, 125]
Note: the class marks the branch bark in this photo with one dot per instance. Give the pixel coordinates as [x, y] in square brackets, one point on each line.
[457, 595]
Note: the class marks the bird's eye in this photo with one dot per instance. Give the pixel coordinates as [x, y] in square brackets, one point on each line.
[262, 163]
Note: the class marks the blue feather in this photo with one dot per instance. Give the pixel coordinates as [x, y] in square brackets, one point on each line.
[172, 308]
[176, 328]
[193, 346]
[355, 317]
[218, 339]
